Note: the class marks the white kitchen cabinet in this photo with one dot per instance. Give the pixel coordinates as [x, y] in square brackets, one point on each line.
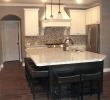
[93, 15]
[31, 22]
[77, 22]
[98, 14]
[88, 17]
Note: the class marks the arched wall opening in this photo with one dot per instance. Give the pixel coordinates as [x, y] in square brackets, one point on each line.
[11, 38]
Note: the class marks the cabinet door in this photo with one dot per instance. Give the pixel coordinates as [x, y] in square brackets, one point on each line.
[88, 17]
[77, 22]
[98, 14]
[31, 22]
[93, 15]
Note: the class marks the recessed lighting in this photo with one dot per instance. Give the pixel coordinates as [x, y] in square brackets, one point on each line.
[7, 0]
[44, 0]
[79, 1]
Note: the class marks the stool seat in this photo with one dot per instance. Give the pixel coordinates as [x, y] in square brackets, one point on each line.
[66, 85]
[91, 79]
[34, 74]
[35, 71]
[93, 76]
[68, 79]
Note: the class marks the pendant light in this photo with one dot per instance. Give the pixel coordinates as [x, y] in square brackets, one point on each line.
[51, 16]
[59, 16]
[45, 11]
[45, 8]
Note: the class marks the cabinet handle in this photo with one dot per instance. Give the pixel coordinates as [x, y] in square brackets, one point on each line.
[89, 37]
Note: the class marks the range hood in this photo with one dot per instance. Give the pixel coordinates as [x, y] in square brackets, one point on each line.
[55, 22]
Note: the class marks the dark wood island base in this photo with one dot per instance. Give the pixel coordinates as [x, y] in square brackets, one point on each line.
[91, 77]
[71, 74]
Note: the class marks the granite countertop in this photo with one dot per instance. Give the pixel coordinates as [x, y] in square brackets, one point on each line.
[56, 56]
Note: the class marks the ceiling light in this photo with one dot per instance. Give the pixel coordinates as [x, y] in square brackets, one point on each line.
[7, 0]
[44, 0]
[79, 1]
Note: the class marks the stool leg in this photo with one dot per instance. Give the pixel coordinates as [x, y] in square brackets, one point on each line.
[33, 96]
[91, 82]
[59, 98]
[78, 98]
[71, 90]
[33, 91]
[98, 96]
[78, 93]
[98, 90]
[82, 90]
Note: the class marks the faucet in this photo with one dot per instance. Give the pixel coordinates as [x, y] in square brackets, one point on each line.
[67, 43]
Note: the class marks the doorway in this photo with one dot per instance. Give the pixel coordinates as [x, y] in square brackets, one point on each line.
[11, 41]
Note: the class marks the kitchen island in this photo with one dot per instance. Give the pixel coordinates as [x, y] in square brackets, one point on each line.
[57, 59]
[56, 56]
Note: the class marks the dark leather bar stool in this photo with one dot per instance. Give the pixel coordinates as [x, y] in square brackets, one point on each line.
[94, 82]
[27, 73]
[68, 83]
[33, 74]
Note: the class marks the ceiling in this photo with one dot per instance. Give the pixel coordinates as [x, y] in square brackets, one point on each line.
[66, 2]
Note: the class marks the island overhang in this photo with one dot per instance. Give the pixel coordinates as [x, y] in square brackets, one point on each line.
[56, 56]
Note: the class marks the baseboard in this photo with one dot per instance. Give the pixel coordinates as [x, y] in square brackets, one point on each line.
[106, 70]
[1, 66]
[21, 60]
[23, 64]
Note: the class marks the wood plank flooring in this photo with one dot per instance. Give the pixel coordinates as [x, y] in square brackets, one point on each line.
[13, 85]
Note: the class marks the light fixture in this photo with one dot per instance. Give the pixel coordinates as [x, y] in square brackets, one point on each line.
[79, 1]
[45, 8]
[45, 11]
[7, 0]
[44, 0]
[51, 16]
[59, 16]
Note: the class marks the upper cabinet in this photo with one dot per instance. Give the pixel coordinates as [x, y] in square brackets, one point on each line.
[93, 15]
[78, 20]
[31, 22]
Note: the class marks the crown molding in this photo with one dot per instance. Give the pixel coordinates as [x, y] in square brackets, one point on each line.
[19, 4]
[39, 5]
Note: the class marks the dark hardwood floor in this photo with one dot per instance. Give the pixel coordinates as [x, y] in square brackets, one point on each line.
[13, 85]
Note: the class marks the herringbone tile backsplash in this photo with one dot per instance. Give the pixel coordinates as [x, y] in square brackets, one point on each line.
[54, 36]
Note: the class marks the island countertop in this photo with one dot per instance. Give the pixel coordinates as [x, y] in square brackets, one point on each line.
[56, 56]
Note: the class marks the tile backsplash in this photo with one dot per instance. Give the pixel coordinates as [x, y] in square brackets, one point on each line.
[53, 36]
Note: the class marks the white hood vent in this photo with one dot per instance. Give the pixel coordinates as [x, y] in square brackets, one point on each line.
[55, 22]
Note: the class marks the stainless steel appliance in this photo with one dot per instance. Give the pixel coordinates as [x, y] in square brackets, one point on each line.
[93, 38]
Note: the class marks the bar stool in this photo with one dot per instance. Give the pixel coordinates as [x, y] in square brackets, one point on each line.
[94, 82]
[66, 85]
[34, 74]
